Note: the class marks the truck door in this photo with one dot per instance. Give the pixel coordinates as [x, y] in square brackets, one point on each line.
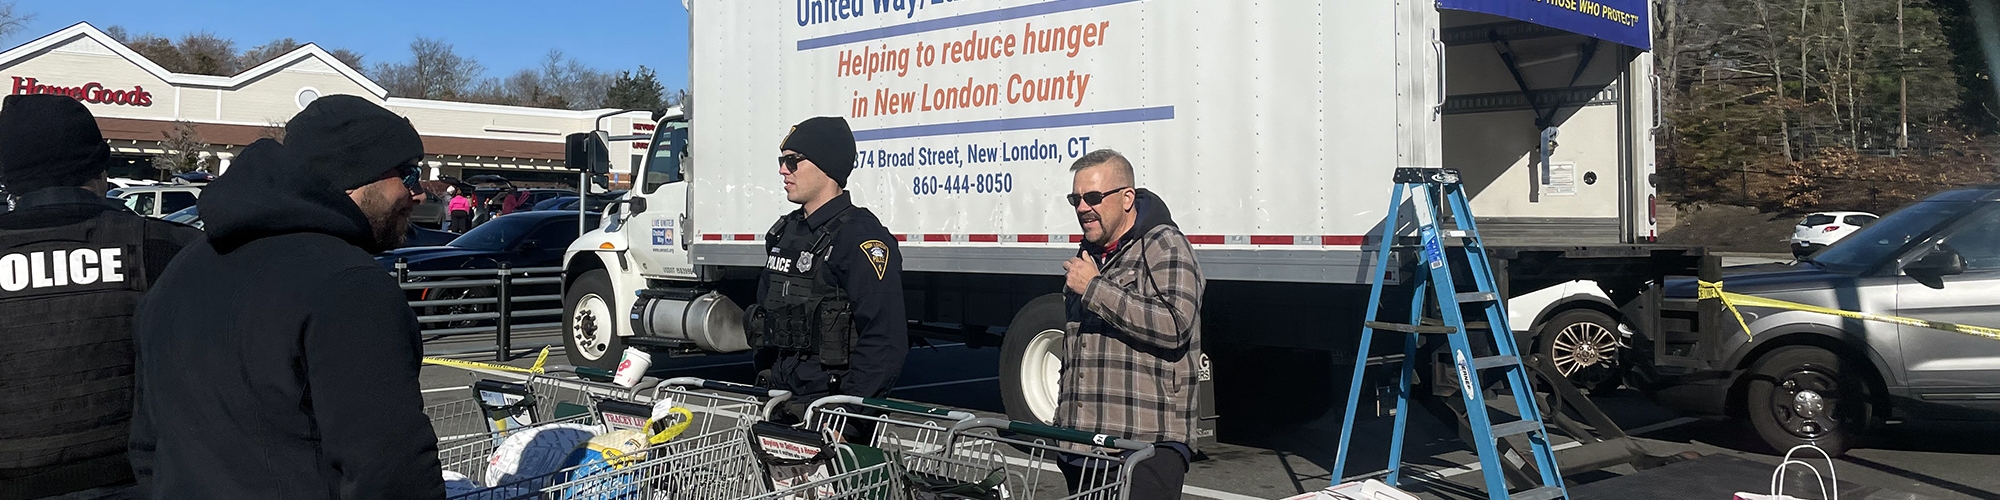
[1950, 371]
[659, 236]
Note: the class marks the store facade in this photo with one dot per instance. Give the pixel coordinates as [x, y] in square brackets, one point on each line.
[146, 111]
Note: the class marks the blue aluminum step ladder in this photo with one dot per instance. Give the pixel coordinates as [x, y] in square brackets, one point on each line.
[1431, 190]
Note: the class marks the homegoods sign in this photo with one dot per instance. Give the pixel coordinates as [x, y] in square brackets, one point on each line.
[92, 92]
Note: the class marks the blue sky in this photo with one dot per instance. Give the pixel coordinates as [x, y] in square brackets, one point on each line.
[503, 35]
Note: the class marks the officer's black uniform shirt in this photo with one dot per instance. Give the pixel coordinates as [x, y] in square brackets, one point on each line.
[863, 260]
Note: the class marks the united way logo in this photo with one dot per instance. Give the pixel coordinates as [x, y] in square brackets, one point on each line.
[663, 236]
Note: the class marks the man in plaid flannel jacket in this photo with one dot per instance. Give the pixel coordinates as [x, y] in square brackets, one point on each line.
[1133, 328]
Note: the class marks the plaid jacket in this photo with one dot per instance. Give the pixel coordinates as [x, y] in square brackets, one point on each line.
[1133, 339]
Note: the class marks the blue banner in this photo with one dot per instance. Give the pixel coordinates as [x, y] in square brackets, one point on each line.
[1624, 22]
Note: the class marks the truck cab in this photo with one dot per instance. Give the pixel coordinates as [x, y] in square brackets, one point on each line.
[634, 277]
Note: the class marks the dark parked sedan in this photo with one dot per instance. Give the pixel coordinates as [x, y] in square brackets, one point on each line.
[522, 240]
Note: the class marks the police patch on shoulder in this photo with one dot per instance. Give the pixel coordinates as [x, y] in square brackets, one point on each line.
[878, 254]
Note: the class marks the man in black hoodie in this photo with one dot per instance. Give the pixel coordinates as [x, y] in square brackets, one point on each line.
[276, 359]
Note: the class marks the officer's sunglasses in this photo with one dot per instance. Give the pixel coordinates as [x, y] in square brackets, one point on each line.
[1093, 197]
[791, 162]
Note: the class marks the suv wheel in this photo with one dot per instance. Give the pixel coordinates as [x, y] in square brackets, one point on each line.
[1806, 395]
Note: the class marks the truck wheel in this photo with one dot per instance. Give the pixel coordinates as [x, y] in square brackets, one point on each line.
[1583, 345]
[1031, 360]
[590, 329]
[1806, 395]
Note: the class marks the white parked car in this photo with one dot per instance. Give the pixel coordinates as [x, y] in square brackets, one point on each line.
[1575, 326]
[157, 200]
[1820, 229]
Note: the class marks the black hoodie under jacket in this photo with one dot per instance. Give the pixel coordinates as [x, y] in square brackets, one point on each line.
[277, 359]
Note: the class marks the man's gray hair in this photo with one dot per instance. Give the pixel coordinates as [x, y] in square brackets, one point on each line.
[1109, 158]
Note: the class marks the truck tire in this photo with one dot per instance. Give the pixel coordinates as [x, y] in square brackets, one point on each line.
[590, 326]
[1806, 395]
[1583, 345]
[1031, 359]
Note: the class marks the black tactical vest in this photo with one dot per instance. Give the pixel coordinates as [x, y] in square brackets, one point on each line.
[67, 295]
[802, 310]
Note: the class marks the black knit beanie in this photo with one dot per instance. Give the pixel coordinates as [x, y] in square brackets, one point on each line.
[826, 141]
[49, 141]
[350, 141]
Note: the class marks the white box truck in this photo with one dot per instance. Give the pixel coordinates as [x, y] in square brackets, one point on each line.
[1271, 129]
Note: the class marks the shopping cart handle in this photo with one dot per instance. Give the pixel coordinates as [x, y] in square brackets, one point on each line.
[601, 377]
[731, 387]
[585, 371]
[891, 405]
[1056, 433]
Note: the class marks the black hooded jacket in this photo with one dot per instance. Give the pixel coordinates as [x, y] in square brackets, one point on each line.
[277, 359]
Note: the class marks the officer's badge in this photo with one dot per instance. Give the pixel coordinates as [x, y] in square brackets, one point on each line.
[878, 254]
[805, 262]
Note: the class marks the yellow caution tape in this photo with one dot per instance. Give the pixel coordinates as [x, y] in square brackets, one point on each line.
[1713, 290]
[537, 368]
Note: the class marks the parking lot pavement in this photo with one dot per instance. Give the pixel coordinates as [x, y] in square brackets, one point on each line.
[1279, 459]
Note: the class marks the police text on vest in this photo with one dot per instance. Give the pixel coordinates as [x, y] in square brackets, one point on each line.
[21, 271]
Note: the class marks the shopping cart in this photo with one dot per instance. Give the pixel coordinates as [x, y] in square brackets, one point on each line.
[849, 447]
[710, 460]
[980, 460]
[542, 398]
[886, 424]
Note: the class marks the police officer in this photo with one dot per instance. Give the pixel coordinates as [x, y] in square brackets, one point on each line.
[829, 317]
[73, 266]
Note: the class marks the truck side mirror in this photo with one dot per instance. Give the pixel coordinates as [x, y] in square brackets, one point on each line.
[636, 204]
[588, 152]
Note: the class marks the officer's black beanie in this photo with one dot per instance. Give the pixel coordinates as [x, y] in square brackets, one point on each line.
[826, 141]
[350, 141]
[49, 141]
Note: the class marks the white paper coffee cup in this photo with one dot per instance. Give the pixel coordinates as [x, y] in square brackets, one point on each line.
[632, 367]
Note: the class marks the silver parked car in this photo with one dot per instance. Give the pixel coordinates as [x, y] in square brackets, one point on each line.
[1810, 377]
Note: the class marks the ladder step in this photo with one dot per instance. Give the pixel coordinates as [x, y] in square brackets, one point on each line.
[1516, 427]
[1495, 362]
[1423, 329]
[1469, 325]
[1477, 297]
[1456, 233]
[1542, 493]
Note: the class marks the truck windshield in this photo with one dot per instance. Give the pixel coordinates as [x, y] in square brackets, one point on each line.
[1870, 248]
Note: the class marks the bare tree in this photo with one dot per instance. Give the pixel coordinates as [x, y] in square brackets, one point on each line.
[12, 20]
[265, 53]
[434, 71]
[579, 86]
[204, 53]
[348, 57]
[186, 151]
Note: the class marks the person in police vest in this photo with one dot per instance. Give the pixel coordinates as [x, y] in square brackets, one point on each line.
[829, 317]
[73, 267]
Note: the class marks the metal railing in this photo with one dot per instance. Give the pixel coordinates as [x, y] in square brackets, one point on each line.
[472, 302]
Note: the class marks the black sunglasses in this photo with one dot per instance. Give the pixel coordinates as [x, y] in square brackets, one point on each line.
[791, 162]
[1093, 197]
[413, 177]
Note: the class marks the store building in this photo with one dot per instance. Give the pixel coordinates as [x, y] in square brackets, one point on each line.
[140, 106]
